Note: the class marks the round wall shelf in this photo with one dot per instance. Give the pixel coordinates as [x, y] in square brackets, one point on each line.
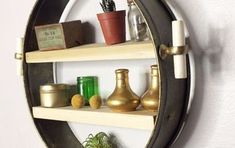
[174, 97]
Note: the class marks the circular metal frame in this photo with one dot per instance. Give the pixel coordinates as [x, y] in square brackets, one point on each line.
[174, 92]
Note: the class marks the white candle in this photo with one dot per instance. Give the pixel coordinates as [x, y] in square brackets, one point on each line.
[178, 37]
[19, 50]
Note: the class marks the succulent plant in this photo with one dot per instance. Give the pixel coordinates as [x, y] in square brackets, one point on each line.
[100, 140]
[108, 5]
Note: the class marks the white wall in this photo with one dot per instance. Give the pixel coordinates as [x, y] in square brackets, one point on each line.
[211, 123]
[211, 24]
[16, 126]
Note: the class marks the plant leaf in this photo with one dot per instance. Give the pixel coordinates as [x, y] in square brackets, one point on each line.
[108, 5]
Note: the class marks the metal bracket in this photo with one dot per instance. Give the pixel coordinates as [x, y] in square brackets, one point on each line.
[19, 61]
[18, 56]
[165, 51]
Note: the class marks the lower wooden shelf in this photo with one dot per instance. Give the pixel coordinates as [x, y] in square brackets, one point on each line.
[139, 119]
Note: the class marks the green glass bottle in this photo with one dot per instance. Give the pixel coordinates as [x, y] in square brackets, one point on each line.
[87, 86]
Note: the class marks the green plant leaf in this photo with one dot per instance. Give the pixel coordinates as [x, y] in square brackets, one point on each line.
[100, 140]
[108, 5]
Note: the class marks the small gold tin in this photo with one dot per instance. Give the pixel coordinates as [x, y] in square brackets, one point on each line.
[54, 95]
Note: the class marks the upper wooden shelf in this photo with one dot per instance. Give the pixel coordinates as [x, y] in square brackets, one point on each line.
[139, 119]
[93, 52]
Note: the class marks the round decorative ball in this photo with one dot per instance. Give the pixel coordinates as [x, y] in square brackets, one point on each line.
[95, 102]
[77, 101]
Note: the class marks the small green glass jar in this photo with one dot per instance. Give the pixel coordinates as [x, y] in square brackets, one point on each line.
[87, 86]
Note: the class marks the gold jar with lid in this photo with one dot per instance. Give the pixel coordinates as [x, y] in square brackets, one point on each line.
[122, 99]
[54, 95]
[150, 99]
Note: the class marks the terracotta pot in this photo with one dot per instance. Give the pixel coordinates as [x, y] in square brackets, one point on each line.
[113, 26]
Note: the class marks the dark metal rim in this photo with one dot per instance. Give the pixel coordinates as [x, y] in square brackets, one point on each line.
[174, 93]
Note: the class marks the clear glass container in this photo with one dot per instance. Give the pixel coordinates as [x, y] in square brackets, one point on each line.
[137, 26]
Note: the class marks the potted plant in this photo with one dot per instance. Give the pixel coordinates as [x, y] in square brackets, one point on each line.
[100, 140]
[112, 23]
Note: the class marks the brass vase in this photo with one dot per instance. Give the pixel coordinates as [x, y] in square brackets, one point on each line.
[123, 99]
[150, 99]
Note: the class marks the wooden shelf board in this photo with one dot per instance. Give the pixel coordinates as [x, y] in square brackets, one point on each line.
[139, 119]
[95, 52]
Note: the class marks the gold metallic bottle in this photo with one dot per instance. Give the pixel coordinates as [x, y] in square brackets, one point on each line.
[123, 99]
[150, 99]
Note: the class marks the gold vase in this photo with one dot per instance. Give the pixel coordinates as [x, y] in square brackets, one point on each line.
[150, 99]
[123, 99]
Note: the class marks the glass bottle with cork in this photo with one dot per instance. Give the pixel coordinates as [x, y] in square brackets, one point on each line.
[137, 26]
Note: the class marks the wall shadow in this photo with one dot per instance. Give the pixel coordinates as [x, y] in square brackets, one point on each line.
[88, 32]
[213, 53]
